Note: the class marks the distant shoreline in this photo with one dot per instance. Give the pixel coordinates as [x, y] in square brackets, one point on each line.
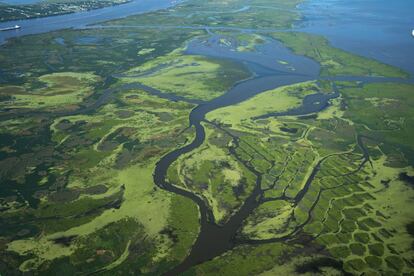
[41, 9]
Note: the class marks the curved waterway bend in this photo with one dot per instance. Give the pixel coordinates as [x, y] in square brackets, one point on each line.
[268, 73]
[214, 240]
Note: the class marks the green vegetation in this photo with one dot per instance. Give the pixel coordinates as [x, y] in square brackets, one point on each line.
[183, 226]
[71, 181]
[98, 152]
[278, 100]
[102, 51]
[385, 111]
[257, 14]
[349, 203]
[52, 7]
[336, 62]
[193, 77]
[55, 91]
[86, 115]
[249, 260]
[210, 172]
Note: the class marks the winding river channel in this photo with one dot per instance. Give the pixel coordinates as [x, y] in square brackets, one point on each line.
[213, 239]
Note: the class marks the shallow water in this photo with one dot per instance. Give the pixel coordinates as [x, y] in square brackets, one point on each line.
[214, 240]
[378, 29]
[267, 73]
[269, 58]
[343, 25]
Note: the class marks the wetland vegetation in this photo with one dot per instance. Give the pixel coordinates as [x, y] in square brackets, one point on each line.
[209, 138]
[18, 11]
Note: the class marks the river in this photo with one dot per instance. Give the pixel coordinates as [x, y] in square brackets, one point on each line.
[81, 19]
[321, 17]
[213, 239]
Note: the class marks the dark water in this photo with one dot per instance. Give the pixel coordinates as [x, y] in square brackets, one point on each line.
[379, 29]
[370, 28]
[81, 19]
[214, 240]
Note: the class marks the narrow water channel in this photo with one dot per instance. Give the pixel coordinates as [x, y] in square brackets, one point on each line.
[214, 240]
[267, 74]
